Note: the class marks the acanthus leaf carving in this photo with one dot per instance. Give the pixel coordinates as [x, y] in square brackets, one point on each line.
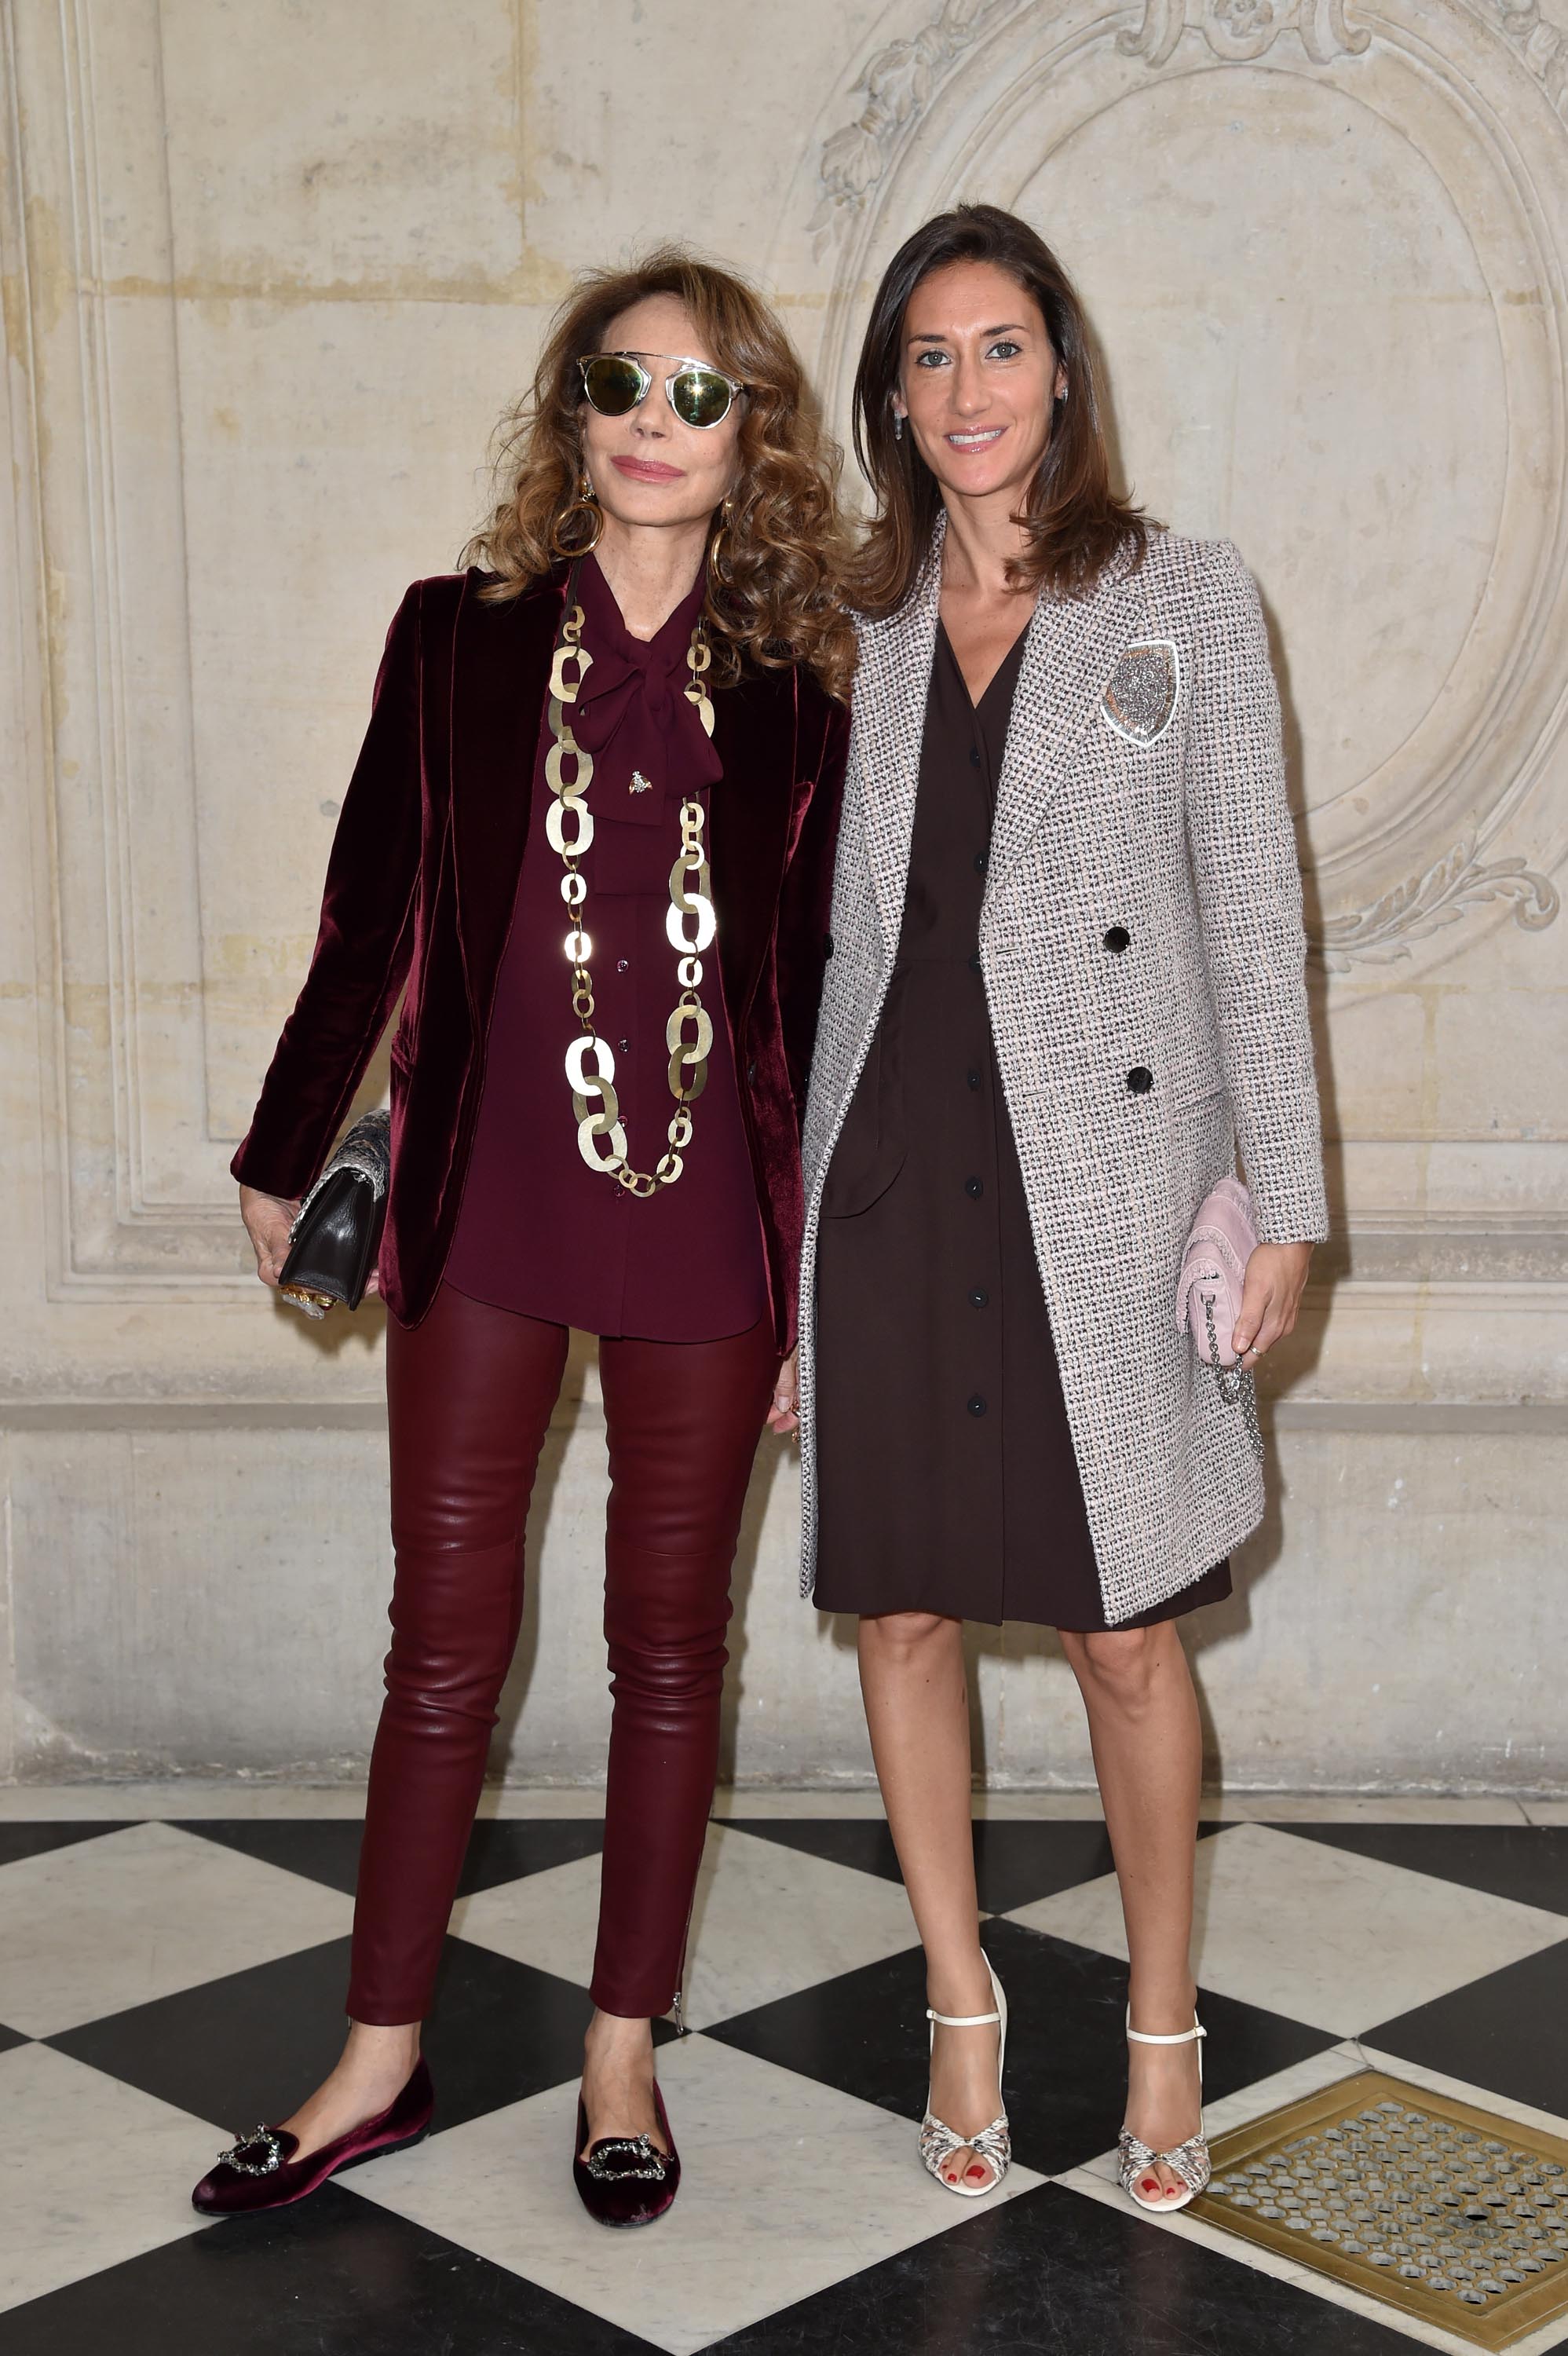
[1239, 30]
[1542, 46]
[899, 85]
[1423, 905]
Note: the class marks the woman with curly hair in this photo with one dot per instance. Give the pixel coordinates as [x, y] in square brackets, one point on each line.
[644, 663]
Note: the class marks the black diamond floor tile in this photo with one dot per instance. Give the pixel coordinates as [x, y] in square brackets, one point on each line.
[1056, 2274]
[1527, 1862]
[20, 1840]
[1508, 2033]
[1067, 2072]
[11, 2037]
[1015, 1862]
[327, 1850]
[333, 2276]
[251, 2046]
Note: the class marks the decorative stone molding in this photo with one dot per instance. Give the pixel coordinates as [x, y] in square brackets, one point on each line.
[1422, 905]
[989, 89]
[1239, 30]
[898, 83]
[1542, 46]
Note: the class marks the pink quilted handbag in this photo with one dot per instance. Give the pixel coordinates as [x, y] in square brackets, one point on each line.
[1209, 1291]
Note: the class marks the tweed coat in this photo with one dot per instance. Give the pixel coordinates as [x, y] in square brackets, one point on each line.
[1134, 1068]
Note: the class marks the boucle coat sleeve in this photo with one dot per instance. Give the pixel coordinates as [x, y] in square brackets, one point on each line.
[1142, 946]
[1245, 867]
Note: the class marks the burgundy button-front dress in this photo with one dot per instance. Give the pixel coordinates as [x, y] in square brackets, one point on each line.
[947, 1480]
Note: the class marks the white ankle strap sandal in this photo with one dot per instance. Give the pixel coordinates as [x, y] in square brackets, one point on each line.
[1190, 2160]
[994, 2144]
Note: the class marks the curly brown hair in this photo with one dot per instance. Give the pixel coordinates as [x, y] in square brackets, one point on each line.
[775, 597]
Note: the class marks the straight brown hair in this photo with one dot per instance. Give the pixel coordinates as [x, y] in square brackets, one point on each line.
[1077, 527]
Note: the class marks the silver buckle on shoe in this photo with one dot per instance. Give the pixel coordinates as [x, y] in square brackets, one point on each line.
[639, 2147]
[258, 2139]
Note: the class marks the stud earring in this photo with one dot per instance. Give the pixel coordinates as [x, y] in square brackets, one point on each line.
[897, 425]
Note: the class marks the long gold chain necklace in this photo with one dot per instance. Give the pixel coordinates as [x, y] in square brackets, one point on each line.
[589, 1064]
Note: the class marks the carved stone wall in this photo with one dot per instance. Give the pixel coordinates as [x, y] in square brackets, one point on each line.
[270, 276]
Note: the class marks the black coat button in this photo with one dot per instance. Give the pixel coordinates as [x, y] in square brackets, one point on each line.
[1117, 939]
[980, 1298]
[976, 1405]
[973, 1080]
[982, 860]
[975, 755]
[827, 944]
[975, 1187]
[623, 1046]
[1140, 1079]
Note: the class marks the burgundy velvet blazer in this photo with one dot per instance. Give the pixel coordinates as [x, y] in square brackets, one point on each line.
[420, 890]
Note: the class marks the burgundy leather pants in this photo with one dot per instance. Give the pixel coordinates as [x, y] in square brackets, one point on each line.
[470, 1393]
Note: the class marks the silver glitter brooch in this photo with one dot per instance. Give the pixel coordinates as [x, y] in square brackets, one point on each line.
[1140, 697]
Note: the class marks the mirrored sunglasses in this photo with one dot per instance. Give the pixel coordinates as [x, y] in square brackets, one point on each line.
[615, 382]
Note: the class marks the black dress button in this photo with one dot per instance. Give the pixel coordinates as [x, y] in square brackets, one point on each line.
[974, 960]
[623, 1046]
[827, 944]
[975, 755]
[623, 965]
[1117, 939]
[982, 860]
[975, 1187]
[980, 1298]
[976, 1405]
[1140, 1079]
[973, 1080]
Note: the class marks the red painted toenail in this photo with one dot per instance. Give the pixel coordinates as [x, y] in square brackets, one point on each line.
[1149, 2184]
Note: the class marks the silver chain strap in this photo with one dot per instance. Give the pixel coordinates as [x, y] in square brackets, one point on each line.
[1236, 1383]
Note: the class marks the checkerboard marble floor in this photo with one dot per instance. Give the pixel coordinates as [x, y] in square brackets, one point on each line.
[171, 1962]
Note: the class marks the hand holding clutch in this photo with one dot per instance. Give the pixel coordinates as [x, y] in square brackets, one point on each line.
[334, 1241]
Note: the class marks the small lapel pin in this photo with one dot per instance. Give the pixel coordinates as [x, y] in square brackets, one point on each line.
[1140, 697]
[640, 785]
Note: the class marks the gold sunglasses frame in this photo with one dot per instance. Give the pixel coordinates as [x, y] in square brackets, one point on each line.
[680, 364]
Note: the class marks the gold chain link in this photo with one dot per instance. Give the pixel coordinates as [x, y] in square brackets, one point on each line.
[690, 928]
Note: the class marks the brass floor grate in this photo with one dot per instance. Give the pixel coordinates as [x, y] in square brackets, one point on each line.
[1441, 2211]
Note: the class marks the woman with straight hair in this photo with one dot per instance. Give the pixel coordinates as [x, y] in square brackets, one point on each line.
[644, 663]
[1067, 986]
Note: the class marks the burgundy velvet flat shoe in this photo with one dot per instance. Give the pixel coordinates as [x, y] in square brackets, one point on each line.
[625, 2179]
[257, 2172]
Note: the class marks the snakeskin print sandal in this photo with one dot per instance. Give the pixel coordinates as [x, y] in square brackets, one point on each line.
[994, 2144]
[1190, 2160]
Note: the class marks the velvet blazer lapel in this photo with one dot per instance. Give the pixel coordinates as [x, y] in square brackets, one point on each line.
[501, 657]
[755, 729]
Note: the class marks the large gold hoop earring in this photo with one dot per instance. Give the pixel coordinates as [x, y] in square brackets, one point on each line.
[563, 539]
[718, 559]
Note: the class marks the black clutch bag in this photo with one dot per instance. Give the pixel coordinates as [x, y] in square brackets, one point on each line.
[334, 1241]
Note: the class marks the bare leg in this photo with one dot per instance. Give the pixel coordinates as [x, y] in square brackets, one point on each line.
[917, 1707]
[376, 2065]
[1148, 1755]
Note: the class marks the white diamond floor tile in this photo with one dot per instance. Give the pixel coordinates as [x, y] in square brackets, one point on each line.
[107, 1924]
[760, 2220]
[92, 2172]
[1338, 1940]
[768, 1920]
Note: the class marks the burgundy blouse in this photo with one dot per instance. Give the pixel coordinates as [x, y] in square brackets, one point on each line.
[539, 1231]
